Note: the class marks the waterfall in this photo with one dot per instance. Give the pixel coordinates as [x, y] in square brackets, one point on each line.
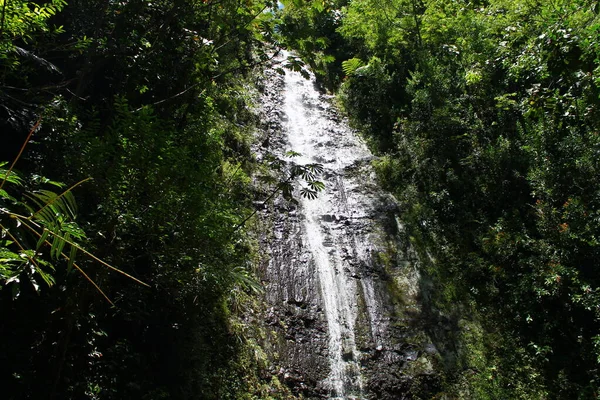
[311, 133]
[326, 282]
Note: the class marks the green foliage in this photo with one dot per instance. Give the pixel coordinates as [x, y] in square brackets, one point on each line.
[365, 95]
[151, 100]
[307, 174]
[46, 218]
[23, 26]
[485, 115]
[21, 261]
[351, 65]
[295, 64]
[23, 20]
[310, 28]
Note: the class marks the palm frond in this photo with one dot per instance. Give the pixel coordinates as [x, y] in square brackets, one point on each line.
[316, 185]
[308, 193]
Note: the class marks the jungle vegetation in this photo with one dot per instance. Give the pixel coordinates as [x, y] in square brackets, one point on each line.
[124, 264]
[485, 118]
[125, 170]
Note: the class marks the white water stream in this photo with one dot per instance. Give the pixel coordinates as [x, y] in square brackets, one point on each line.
[311, 132]
[332, 264]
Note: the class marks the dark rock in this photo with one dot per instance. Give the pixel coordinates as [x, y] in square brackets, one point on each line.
[327, 218]
[357, 223]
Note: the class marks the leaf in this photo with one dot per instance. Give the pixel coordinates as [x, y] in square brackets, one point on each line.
[318, 5]
[72, 255]
[292, 153]
[63, 203]
[308, 193]
[296, 170]
[73, 230]
[351, 65]
[316, 185]
[62, 242]
[6, 196]
[54, 247]
[327, 59]
[294, 64]
[304, 74]
[297, 65]
[242, 278]
[7, 256]
[42, 239]
[11, 177]
[307, 174]
[315, 168]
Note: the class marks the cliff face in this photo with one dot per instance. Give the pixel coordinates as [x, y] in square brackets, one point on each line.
[342, 284]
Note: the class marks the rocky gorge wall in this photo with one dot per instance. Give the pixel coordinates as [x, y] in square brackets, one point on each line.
[342, 285]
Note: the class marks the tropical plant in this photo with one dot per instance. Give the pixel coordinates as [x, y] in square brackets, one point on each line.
[486, 118]
[46, 218]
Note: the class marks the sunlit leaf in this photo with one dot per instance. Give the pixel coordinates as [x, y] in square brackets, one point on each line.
[72, 255]
[316, 185]
[292, 153]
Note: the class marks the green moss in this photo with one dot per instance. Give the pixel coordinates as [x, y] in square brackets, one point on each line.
[249, 372]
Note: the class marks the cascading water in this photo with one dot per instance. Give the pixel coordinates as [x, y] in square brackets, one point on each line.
[311, 134]
[326, 276]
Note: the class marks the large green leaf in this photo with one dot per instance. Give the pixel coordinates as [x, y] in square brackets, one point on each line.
[351, 65]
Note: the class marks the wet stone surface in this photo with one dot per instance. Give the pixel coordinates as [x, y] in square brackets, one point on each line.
[336, 269]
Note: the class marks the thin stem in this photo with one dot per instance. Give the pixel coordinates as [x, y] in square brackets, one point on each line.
[19, 244]
[19, 218]
[21, 151]
[277, 189]
[59, 196]
[217, 48]
[89, 279]
[86, 276]
[64, 255]
[203, 81]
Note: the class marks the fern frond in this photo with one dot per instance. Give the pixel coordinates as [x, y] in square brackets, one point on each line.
[69, 242]
[351, 65]
[13, 258]
[71, 259]
[13, 177]
[4, 195]
[64, 201]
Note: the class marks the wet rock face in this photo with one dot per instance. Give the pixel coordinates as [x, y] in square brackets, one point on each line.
[337, 274]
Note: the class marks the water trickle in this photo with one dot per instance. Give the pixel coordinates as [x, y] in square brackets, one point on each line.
[325, 284]
[311, 133]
